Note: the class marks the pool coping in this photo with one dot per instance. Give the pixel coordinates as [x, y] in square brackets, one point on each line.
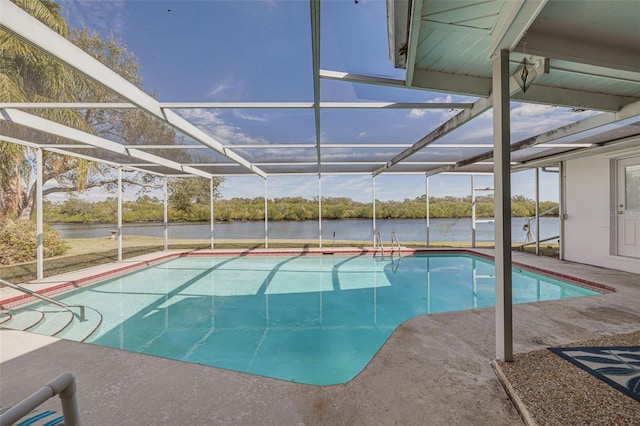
[134, 265]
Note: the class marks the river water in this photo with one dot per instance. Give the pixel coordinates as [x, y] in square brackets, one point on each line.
[458, 230]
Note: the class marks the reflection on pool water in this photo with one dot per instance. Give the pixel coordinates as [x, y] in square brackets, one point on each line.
[309, 319]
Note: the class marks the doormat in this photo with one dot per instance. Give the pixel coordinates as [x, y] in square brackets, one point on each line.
[618, 366]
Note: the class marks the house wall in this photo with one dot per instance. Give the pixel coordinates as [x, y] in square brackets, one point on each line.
[588, 225]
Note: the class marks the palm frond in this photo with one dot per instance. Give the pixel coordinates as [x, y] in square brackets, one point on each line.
[46, 12]
[10, 91]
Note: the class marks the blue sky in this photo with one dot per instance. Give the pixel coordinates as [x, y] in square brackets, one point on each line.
[260, 51]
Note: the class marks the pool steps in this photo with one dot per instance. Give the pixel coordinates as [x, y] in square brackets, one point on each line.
[21, 319]
[49, 317]
[52, 321]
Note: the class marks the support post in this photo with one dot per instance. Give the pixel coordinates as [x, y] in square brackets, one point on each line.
[39, 218]
[119, 214]
[320, 211]
[562, 215]
[266, 217]
[473, 211]
[538, 211]
[165, 192]
[502, 185]
[373, 203]
[428, 213]
[211, 213]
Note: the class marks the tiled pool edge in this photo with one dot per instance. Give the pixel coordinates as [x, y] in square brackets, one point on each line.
[23, 299]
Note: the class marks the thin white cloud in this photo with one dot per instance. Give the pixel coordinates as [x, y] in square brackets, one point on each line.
[230, 88]
[417, 113]
[444, 114]
[219, 89]
[245, 116]
[213, 123]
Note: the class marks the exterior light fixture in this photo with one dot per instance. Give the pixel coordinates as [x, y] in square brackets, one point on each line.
[527, 70]
[525, 74]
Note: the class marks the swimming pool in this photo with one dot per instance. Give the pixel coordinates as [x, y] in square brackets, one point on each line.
[309, 319]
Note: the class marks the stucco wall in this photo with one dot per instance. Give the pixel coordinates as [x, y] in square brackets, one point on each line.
[588, 207]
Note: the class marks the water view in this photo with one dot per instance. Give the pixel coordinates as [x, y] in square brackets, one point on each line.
[455, 230]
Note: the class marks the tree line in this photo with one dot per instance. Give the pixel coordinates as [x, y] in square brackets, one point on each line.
[150, 209]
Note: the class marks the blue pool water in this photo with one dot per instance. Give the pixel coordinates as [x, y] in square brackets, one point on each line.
[309, 319]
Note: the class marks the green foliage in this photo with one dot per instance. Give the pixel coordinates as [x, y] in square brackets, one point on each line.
[187, 193]
[18, 242]
[187, 206]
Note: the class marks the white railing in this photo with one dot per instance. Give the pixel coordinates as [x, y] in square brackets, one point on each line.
[64, 386]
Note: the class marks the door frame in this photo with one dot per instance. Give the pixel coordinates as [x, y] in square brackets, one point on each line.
[618, 189]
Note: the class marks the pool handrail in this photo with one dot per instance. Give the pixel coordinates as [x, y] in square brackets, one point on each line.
[46, 299]
[64, 386]
[395, 242]
[378, 244]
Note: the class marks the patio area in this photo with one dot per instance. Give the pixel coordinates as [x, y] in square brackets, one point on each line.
[434, 369]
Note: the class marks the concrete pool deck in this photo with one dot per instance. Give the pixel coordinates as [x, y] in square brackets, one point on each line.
[434, 369]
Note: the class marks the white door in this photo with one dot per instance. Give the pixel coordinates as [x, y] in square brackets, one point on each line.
[628, 207]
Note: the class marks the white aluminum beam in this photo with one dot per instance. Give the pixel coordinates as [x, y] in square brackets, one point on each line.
[373, 204]
[266, 214]
[396, 105]
[276, 146]
[354, 145]
[19, 23]
[239, 105]
[605, 59]
[47, 126]
[515, 19]
[212, 214]
[315, 59]
[458, 120]
[165, 212]
[51, 148]
[119, 214]
[558, 96]
[67, 105]
[320, 211]
[502, 210]
[196, 133]
[479, 107]
[152, 147]
[451, 83]
[22, 25]
[543, 139]
[359, 78]
[309, 105]
[39, 216]
[236, 105]
[630, 145]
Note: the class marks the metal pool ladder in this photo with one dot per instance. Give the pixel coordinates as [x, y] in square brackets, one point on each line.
[378, 244]
[395, 243]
